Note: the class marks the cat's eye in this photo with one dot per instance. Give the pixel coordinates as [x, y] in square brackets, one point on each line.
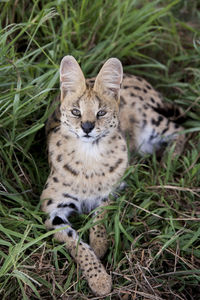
[101, 113]
[76, 112]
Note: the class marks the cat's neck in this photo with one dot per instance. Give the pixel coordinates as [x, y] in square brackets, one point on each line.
[92, 150]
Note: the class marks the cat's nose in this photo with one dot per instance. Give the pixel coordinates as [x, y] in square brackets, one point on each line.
[87, 126]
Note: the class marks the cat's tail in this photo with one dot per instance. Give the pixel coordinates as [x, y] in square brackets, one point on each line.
[172, 112]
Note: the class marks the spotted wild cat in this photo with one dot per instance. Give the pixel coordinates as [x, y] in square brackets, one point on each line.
[88, 152]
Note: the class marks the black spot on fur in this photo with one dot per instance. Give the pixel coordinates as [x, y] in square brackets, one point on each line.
[68, 168]
[66, 184]
[171, 112]
[144, 123]
[158, 121]
[70, 153]
[70, 205]
[49, 202]
[57, 221]
[66, 195]
[70, 233]
[164, 130]
[59, 158]
[113, 168]
[137, 87]
[55, 179]
[58, 143]
[132, 119]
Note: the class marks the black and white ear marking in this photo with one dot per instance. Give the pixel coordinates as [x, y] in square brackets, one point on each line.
[110, 78]
[72, 79]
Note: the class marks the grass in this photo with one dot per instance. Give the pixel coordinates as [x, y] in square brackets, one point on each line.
[154, 232]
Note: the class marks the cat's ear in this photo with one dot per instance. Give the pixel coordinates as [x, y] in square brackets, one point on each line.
[109, 79]
[72, 80]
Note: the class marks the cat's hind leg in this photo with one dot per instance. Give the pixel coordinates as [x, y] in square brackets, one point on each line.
[159, 132]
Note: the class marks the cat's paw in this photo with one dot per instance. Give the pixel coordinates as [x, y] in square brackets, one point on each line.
[100, 283]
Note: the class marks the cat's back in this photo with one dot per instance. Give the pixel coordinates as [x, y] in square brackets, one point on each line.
[138, 101]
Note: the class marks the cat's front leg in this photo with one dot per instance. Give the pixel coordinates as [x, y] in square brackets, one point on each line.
[98, 235]
[99, 281]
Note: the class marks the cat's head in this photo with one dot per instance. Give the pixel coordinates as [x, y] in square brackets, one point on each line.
[90, 113]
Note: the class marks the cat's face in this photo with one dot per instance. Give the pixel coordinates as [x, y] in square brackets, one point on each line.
[90, 117]
[89, 113]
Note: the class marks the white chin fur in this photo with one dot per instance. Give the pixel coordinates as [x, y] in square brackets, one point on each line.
[87, 139]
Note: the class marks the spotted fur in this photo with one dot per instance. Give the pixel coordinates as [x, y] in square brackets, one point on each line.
[88, 152]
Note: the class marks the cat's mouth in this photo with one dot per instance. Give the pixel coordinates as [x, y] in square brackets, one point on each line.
[87, 136]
